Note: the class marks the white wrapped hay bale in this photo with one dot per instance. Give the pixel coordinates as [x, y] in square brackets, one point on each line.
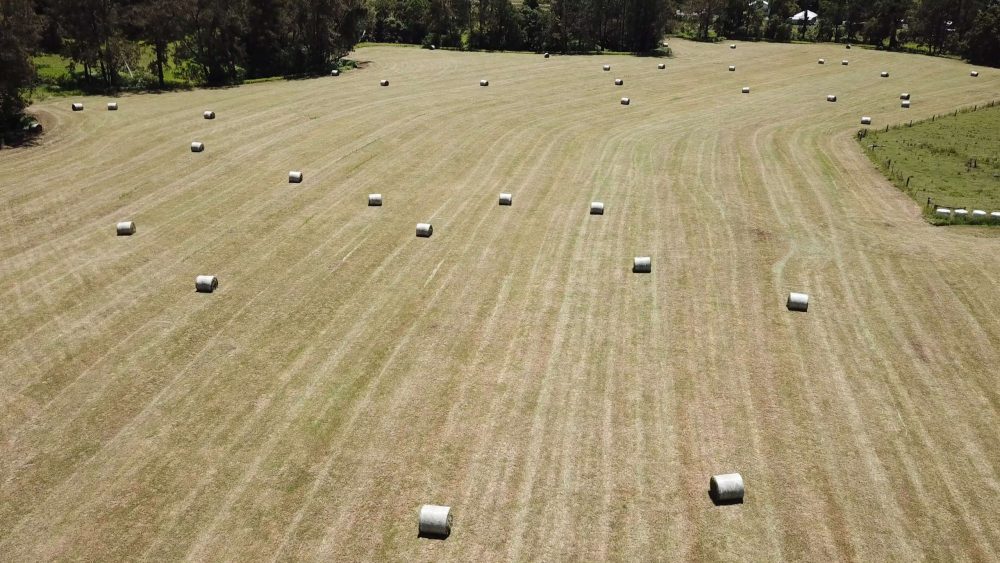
[642, 264]
[484, 82]
[597, 208]
[546, 55]
[865, 120]
[626, 101]
[197, 146]
[746, 90]
[942, 212]
[383, 82]
[606, 67]
[77, 106]
[125, 228]
[831, 98]
[974, 73]
[434, 521]
[206, 284]
[961, 213]
[995, 216]
[334, 72]
[848, 45]
[661, 66]
[821, 61]
[374, 200]
[844, 62]
[884, 74]
[726, 488]
[732, 68]
[424, 230]
[904, 96]
[295, 177]
[732, 45]
[619, 82]
[112, 106]
[797, 302]
[209, 115]
[978, 214]
[506, 199]
[905, 104]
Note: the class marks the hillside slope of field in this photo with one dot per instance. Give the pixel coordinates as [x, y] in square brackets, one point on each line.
[511, 366]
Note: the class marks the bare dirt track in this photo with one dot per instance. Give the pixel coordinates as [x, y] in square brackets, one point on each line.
[511, 366]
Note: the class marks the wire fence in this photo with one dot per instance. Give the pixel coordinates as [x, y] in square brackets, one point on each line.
[903, 180]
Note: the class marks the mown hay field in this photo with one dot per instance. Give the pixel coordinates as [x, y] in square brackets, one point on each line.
[511, 366]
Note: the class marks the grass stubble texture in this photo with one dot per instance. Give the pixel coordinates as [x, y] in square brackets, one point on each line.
[511, 366]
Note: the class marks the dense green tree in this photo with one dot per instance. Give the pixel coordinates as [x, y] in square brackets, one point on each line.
[213, 51]
[19, 28]
[157, 23]
[779, 28]
[984, 37]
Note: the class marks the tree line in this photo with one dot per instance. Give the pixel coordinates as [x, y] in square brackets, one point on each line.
[969, 28]
[568, 26]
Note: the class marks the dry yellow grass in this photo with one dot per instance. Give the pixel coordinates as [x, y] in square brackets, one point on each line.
[511, 366]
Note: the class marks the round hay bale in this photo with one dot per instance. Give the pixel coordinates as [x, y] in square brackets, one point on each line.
[726, 488]
[844, 62]
[831, 98]
[905, 104]
[506, 199]
[607, 67]
[865, 120]
[942, 212]
[295, 177]
[597, 208]
[197, 146]
[884, 74]
[961, 213]
[425, 230]
[433, 47]
[995, 216]
[821, 61]
[732, 45]
[904, 96]
[746, 90]
[848, 45]
[974, 73]
[209, 115]
[626, 101]
[619, 82]
[125, 228]
[334, 72]
[112, 106]
[642, 265]
[661, 66]
[978, 214]
[434, 521]
[34, 127]
[206, 284]
[797, 302]
[77, 106]
[732, 68]
[484, 82]
[383, 82]
[546, 55]
[374, 200]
